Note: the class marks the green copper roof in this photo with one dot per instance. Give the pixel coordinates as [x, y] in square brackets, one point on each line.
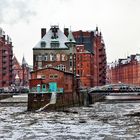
[71, 38]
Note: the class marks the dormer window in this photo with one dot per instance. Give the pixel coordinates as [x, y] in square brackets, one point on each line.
[55, 44]
[43, 44]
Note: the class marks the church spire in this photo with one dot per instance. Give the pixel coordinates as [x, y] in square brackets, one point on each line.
[24, 63]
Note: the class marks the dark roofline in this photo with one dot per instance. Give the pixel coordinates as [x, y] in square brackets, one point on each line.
[53, 69]
[50, 48]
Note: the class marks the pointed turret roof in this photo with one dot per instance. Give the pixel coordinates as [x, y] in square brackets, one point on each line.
[24, 61]
[71, 37]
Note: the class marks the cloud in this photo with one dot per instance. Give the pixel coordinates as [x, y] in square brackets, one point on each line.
[13, 11]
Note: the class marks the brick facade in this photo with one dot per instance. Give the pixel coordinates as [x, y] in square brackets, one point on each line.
[125, 71]
[6, 54]
[84, 66]
[94, 44]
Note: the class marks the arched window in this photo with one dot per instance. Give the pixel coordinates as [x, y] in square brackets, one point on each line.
[64, 57]
[52, 57]
[46, 57]
[39, 57]
[58, 57]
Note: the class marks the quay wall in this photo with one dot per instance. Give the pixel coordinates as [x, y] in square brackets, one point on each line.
[38, 100]
[5, 95]
[64, 100]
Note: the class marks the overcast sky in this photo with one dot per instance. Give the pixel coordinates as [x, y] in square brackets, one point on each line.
[118, 20]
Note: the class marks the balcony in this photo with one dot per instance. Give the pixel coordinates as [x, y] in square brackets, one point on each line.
[4, 72]
[4, 55]
[4, 68]
[10, 64]
[4, 61]
[3, 81]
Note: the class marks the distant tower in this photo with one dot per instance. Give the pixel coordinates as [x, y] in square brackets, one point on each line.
[24, 71]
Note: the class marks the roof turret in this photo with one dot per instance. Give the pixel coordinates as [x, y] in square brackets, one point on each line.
[71, 38]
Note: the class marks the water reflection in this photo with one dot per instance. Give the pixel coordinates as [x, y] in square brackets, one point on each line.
[101, 121]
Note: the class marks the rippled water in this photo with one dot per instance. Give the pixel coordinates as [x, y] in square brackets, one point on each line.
[101, 121]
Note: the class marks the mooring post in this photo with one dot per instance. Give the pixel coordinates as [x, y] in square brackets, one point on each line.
[86, 98]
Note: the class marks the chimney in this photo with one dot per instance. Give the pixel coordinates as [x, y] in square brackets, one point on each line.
[3, 38]
[43, 32]
[66, 31]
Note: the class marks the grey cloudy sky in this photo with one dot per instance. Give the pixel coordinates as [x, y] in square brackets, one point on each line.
[118, 20]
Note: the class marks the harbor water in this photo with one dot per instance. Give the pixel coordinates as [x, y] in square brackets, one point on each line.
[101, 121]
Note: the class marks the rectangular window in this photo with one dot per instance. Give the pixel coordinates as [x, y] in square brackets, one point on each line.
[70, 63]
[39, 65]
[39, 58]
[66, 86]
[70, 57]
[78, 71]
[55, 44]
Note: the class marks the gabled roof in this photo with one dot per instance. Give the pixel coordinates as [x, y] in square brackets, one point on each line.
[16, 64]
[58, 37]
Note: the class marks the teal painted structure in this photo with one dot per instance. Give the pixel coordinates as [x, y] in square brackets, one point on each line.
[38, 88]
[53, 87]
[44, 89]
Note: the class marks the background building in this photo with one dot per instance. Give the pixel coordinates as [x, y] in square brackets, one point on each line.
[21, 73]
[125, 70]
[94, 44]
[6, 55]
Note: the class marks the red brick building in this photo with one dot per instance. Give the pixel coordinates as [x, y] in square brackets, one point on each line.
[93, 44]
[125, 70]
[43, 77]
[6, 54]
